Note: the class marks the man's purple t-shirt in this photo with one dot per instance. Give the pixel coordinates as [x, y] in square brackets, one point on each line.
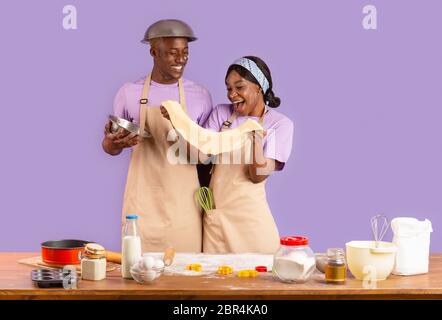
[127, 99]
[279, 128]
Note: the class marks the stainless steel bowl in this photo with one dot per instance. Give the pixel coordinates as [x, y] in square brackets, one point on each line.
[118, 122]
[321, 261]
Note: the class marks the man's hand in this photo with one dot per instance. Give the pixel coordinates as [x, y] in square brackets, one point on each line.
[114, 143]
[165, 113]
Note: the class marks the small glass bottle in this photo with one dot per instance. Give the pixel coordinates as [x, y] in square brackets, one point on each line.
[131, 247]
[336, 268]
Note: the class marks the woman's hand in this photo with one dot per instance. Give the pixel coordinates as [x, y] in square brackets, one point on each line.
[261, 167]
[259, 134]
[114, 142]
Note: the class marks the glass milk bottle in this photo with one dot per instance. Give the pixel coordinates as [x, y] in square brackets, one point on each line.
[131, 247]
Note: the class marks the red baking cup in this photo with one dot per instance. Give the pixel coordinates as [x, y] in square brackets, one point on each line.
[261, 268]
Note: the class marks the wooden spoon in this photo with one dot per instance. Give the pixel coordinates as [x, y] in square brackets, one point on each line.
[169, 254]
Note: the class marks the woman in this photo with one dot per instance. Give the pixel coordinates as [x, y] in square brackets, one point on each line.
[242, 220]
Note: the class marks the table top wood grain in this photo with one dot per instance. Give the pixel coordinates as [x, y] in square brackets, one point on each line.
[15, 283]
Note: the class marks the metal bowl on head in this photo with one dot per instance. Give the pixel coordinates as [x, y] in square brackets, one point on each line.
[118, 122]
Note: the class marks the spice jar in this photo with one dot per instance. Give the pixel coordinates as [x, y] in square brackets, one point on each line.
[336, 268]
[294, 261]
[93, 262]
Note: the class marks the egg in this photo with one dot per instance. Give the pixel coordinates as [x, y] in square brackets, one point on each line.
[147, 263]
[138, 264]
[150, 275]
[159, 264]
[135, 268]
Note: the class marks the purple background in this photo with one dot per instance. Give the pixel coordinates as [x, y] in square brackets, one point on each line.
[367, 108]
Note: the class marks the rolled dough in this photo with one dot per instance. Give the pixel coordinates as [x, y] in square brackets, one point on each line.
[207, 141]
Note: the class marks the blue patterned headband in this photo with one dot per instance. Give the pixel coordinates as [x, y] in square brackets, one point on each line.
[255, 71]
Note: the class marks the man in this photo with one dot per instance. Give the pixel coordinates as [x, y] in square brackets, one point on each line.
[159, 192]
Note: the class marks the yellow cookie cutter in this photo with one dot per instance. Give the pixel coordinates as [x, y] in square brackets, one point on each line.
[194, 267]
[248, 273]
[225, 270]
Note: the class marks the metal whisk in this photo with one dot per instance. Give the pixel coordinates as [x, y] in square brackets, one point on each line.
[379, 227]
[204, 197]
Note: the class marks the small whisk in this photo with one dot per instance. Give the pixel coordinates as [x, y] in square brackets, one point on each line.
[204, 197]
[379, 227]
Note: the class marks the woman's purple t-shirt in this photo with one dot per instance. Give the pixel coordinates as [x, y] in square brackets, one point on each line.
[279, 129]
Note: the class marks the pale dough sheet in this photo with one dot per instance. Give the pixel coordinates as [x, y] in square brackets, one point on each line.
[211, 262]
[207, 141]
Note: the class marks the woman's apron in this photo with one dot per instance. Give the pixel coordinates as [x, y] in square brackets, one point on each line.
[161, 193]
[242, 221]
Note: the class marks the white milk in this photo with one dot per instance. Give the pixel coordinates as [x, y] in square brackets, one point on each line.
[131, 253]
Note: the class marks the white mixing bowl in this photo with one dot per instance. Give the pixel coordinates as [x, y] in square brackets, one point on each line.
[368, 262]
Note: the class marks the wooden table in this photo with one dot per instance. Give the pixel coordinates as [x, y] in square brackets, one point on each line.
[15, 283]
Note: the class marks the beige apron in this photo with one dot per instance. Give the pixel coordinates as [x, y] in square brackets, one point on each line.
[161, 193]
[242, 221]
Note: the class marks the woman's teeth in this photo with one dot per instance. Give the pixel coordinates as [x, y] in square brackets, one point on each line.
[238, 104]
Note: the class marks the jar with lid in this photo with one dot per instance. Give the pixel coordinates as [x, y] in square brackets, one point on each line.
[93, 262]
[336, 267]
[294, 262]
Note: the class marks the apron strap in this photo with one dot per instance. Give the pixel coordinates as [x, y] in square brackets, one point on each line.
[261, 119]
[228, 123]
[182, 95]
[143, 103]
[144, 100]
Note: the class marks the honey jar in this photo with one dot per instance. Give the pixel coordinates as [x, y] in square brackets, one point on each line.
[336, 268]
